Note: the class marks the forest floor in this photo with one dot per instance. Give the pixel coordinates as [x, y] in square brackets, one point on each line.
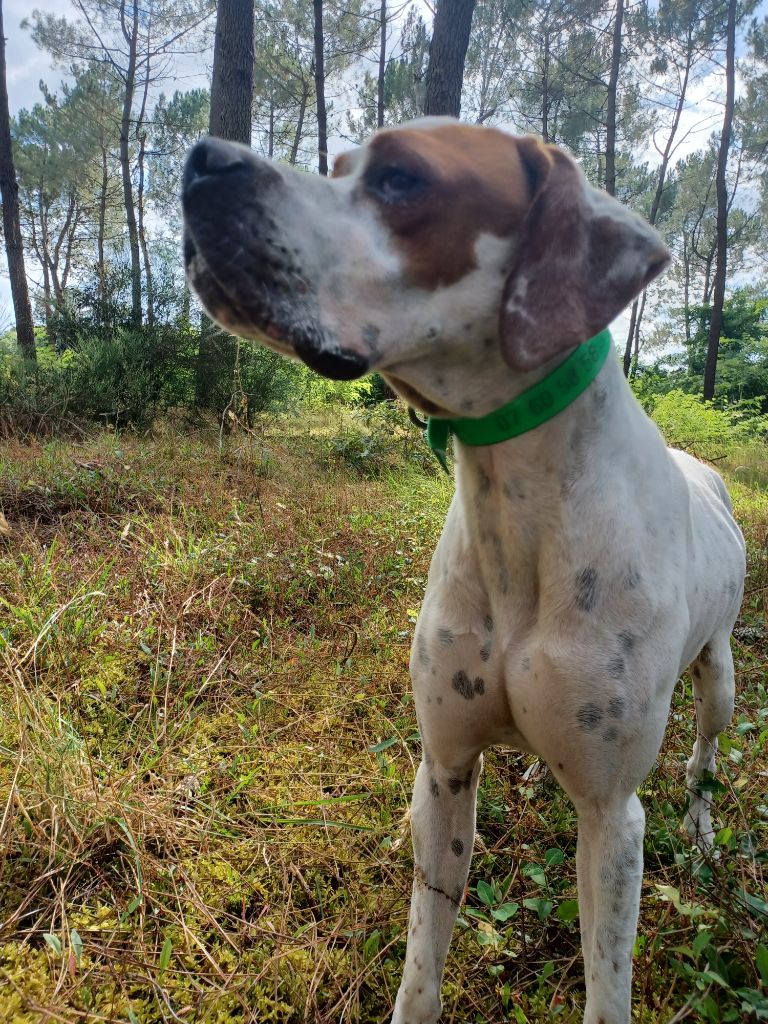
[207, 747]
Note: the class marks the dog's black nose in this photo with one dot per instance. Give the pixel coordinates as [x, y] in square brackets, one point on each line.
[213, 158]
[213, 161]
[336, 364]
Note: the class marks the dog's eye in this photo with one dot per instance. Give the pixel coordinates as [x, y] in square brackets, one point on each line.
[394, 185]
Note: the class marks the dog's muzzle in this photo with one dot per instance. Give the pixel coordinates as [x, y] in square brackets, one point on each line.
[242, 263]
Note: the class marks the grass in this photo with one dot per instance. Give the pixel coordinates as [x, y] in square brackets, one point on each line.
[207, 745]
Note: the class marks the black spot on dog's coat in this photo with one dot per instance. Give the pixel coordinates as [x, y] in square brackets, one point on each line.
[371, 336]
[586, 589]
[589, 717]
[422, 651]
[616, 667]
[631, 579]
[467, 687]
[616, 707]
[456, 784]
[627, 640]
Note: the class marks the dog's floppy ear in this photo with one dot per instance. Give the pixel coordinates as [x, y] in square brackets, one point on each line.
[581, 257]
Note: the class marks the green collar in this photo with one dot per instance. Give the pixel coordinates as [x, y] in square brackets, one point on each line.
[533, 407]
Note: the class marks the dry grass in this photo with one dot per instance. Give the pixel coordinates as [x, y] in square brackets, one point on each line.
[198, 650]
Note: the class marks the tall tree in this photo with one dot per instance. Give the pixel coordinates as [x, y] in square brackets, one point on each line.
[403, 82]
[613, 85]
[493, 60]
[382, 74]
[9, 193]
[129, 25]
[135, 41]
[721, 188]
[322, 110]
[292, 66]
[230, 118]
[682, 36]
[232, 81]
[447, 53]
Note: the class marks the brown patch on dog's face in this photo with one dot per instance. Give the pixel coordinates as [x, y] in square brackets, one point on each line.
[438, 189]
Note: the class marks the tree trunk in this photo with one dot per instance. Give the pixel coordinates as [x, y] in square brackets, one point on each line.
[630, 335]
[233, 65]
[322, 110]
[143, 236]
[687, 292]
[613, 84]
[271, 137]
[9, 193]
[141, 135]
[661, 178]
[447, 52]
[545, 88]
[721, 188]
[40, 248]
[636, 335]
[382, 64]
[230, 118]
[131, 34]
[101, 269]
[299, 124]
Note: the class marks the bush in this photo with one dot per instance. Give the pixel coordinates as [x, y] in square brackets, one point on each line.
[708, 432]
[379, 440]
[130, 376]
[125, 379]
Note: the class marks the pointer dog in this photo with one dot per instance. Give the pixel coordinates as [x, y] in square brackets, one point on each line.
[583, 565]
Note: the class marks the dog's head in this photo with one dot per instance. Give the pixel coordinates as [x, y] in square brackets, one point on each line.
[438, 253]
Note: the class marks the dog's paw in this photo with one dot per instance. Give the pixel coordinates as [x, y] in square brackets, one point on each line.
[417, 1003]
[698, 825]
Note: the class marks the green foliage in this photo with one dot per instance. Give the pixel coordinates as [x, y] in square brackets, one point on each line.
[177, 123]
[377, 440]
[701, 427]
[128, 376]
[403, 82]
[742, 362]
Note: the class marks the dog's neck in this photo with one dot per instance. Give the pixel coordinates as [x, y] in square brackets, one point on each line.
[529, 501]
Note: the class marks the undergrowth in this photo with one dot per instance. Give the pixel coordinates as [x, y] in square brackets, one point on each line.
[207, 746]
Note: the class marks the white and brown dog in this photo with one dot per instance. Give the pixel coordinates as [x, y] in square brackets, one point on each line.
[583, 565]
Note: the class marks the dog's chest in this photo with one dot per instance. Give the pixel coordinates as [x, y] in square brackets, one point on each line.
[514, 638]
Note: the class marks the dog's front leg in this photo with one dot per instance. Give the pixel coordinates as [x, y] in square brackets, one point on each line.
[443, 830]
[609, 867]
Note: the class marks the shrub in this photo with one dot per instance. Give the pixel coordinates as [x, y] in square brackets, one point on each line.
[126, 378]
[380, 439]
[131, 375]
[708, 432]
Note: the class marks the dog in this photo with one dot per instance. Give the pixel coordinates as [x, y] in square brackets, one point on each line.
[583, 564]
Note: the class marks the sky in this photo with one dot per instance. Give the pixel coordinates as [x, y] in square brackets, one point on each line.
[27, 65]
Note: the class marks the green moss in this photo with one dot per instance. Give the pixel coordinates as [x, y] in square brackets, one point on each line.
[27, 983]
